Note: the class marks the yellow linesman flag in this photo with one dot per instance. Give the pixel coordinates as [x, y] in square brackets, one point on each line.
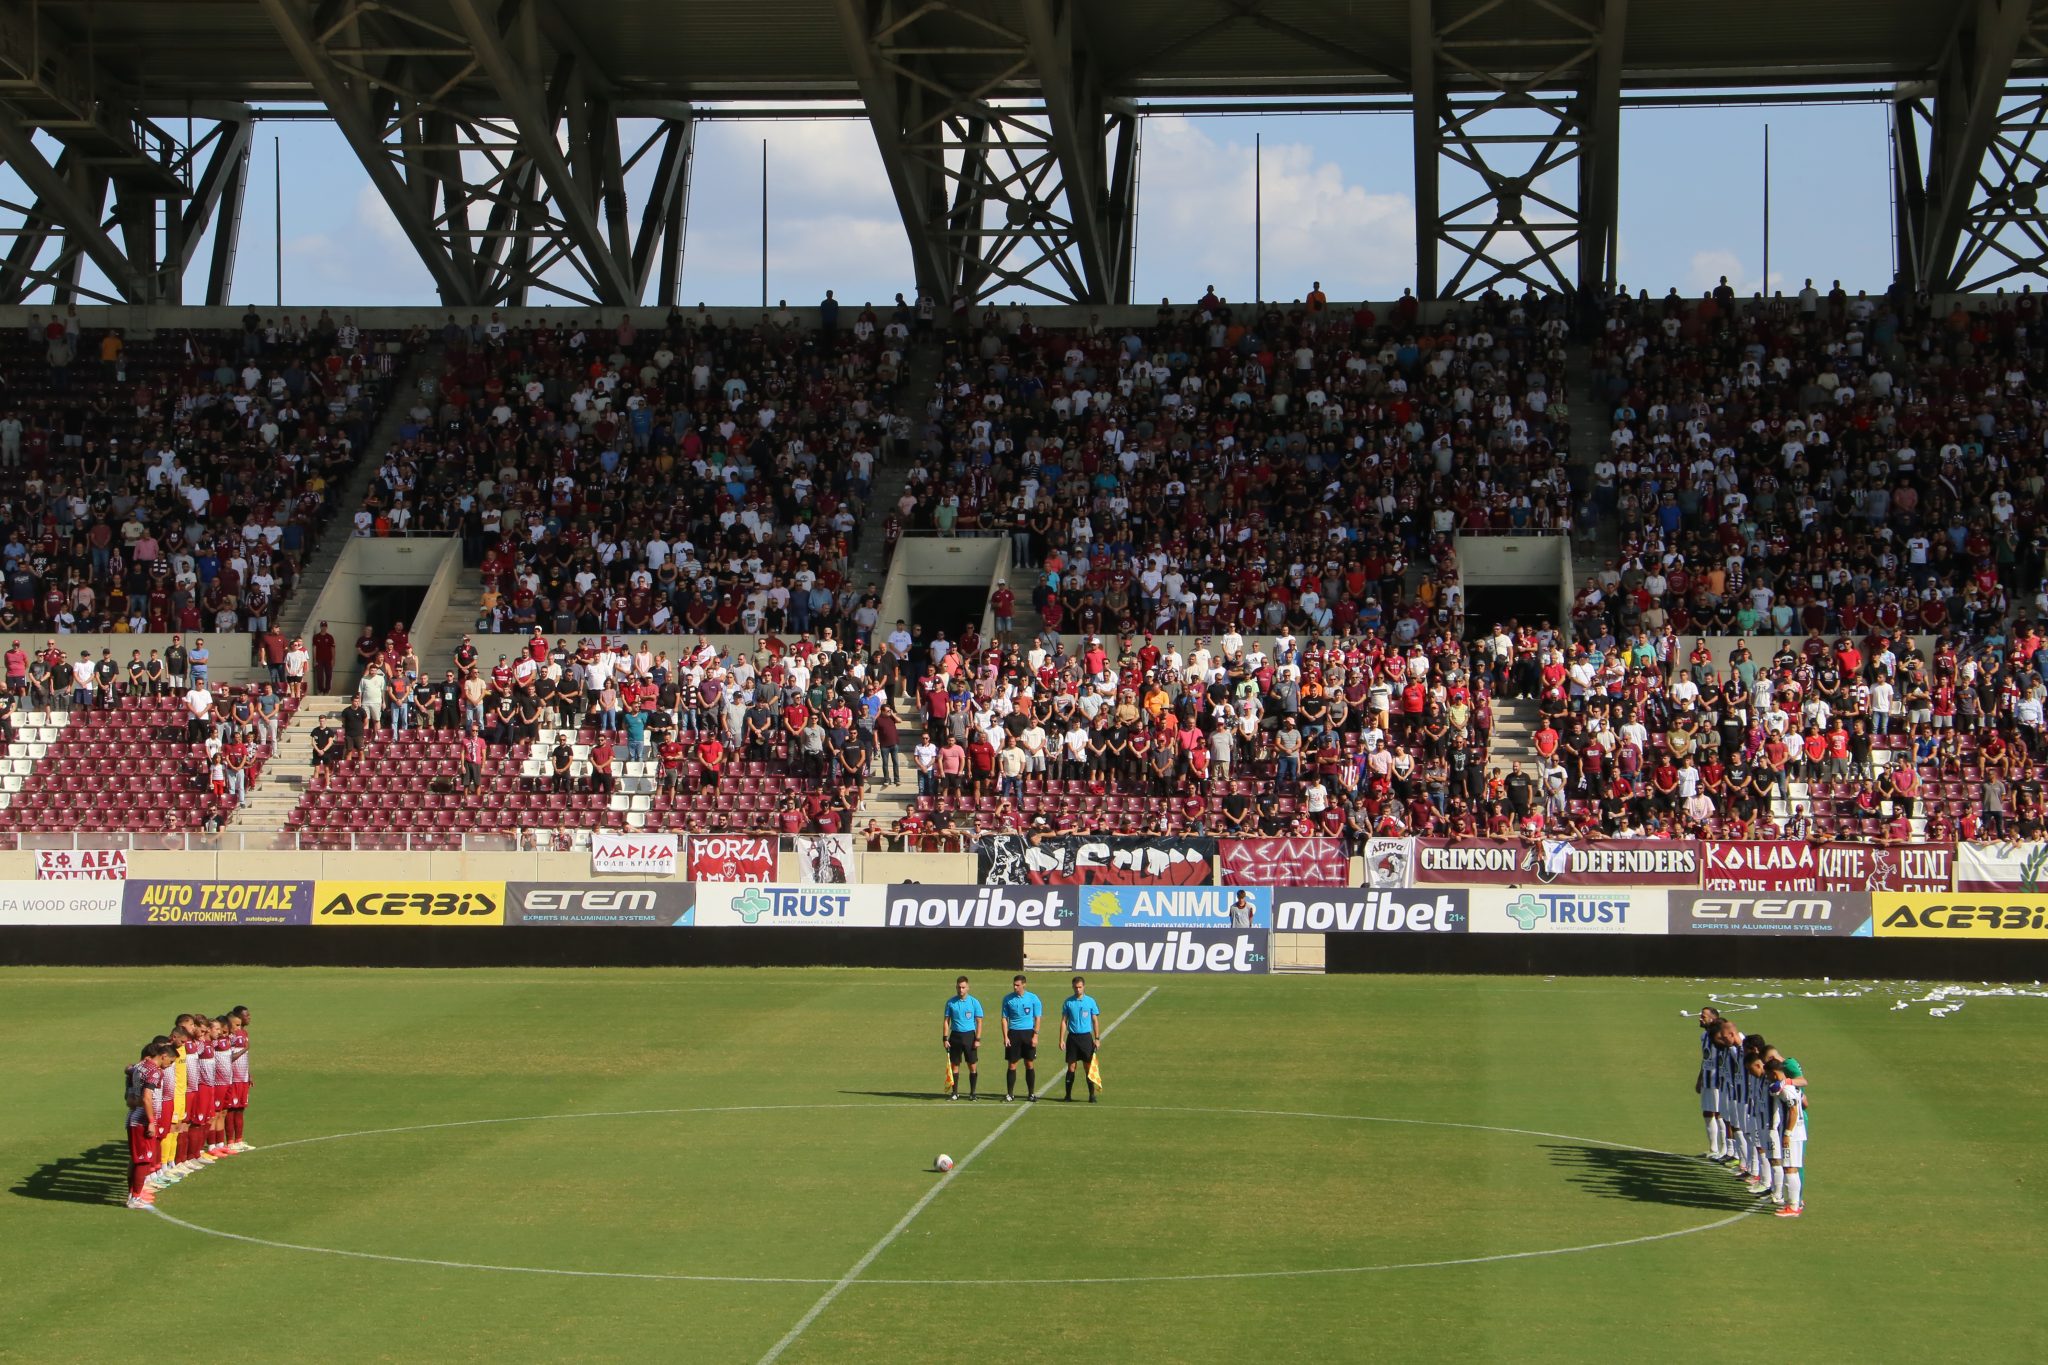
[949, 1073]
[1095, 1073]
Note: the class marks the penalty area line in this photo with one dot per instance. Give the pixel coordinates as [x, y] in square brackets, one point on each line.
[874, 1252]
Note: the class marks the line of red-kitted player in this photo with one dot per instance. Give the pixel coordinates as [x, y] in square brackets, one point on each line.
[186, 1100]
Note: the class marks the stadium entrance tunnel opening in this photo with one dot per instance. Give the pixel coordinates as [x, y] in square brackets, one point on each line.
[394, 604]
[947, 607]
[1530, 603]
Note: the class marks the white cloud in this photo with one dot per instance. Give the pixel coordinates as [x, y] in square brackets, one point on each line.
[1317, 224]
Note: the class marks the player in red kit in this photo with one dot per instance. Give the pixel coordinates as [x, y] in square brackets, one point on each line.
[149, 1119]
[238, 1088]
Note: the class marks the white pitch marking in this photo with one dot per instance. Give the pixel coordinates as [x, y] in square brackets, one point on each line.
[826, 1299]
[962, 1284]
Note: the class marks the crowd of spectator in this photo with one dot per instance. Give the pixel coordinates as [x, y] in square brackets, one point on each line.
[173, 481]
[684, 478]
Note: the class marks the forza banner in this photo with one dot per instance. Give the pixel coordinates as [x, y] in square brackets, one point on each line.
[2002, 867]
[1569, 910]
[1284, 862]
[2010, 914]
[786, 906]
[1837, 914]
[60, 904]
[1381, 910]
[243, 902]
[1080, 860]
[981, 907]
[449, 903]
[1194, 907]
[1563, 862]
[731, 858]
[1186, 952]
[1796, 865]
[560, 903]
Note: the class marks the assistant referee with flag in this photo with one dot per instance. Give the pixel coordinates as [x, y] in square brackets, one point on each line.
[960, 1035]
[1080, 1036]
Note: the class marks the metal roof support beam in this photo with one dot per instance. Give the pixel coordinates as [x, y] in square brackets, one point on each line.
[1077, 114]
[576, 199]
[1600, 160]
[1969, 90]
[1429, 144]
[61, 202]
[1002, 153]
[350, 96]
[1512, 141]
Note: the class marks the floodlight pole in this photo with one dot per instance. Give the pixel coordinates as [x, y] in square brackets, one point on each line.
[764, 222]
[1258, 218]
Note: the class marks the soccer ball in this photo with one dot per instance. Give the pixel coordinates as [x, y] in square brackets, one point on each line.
[943, 1163]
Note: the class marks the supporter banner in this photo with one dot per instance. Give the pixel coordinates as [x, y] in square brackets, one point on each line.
[559, 903]
[1839, 914]
[403, 902]
[1198, 907]
[787, 906]
[826, 859]
[81, 864]
[244, 902]
[981, 907]
[1079, 860]
[634, 855]
[1389, 862]
[1563, 862]
[1284, 862]
[1544, 910]
[731, 858]
[1218, 952]
[1382, 910]
[2002, 867]
[1797, 865]
[60, 904]
[2010, 915]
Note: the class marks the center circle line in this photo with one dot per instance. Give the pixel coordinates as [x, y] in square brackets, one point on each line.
[877, 1282]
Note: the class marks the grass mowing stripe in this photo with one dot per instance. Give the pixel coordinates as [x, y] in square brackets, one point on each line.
[789, 1338]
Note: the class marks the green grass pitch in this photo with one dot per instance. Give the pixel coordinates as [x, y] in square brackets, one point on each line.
[1228, 1169]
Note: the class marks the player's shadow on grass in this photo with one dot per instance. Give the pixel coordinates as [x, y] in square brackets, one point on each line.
[899, 1094]
[1651, 1177]
[97, 1176]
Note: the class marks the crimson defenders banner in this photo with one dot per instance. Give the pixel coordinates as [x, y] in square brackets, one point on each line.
[1565, 862]
[1797, 865]
[1080, 860]
[1284, 862]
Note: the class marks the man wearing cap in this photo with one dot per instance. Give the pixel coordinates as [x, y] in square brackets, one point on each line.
[177, 664]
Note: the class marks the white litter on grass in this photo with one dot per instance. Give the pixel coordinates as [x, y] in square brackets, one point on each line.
[1942, 1001]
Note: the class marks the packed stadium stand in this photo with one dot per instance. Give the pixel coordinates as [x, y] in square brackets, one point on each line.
[1233, 601]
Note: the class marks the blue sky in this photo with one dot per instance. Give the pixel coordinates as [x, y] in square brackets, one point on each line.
[1337, 192]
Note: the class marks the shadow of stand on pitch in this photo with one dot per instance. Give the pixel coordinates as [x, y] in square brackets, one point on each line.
[1651, 1177]
[96, 1176]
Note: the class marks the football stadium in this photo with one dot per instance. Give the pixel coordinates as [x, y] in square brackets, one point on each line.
[653, 711]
